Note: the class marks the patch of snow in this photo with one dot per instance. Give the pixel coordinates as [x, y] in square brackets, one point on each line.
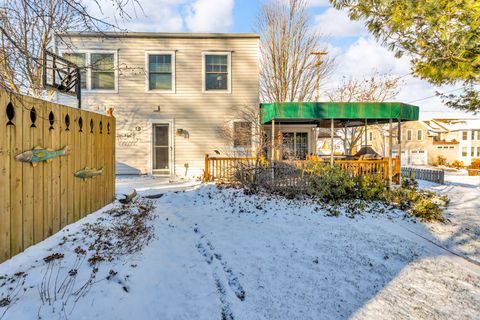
[220, 254]
[461, 232]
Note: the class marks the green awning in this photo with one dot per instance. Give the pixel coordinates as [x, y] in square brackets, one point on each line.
[345, 113]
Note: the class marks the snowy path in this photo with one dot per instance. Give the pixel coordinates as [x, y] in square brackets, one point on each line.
[462, 232]
[224, 255]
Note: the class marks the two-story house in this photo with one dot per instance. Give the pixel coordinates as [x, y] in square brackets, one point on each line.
[424, 141]
[172, 93]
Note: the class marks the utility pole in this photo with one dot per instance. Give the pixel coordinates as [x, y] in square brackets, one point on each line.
[319, 55]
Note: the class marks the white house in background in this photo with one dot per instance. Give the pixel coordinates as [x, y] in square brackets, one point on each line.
[424, 141]
[172, 93]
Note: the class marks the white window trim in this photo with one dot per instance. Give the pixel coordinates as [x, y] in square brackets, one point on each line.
[87, 53]
[171, 141]
[147, 75]
[411, 135]
[229, 66]
[421, 135]
[115, 70]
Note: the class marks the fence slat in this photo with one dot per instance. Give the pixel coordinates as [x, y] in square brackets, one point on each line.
[16, 186]
[27, 171]
[5, 155]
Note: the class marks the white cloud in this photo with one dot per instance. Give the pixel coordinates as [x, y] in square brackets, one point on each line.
[210, 16]
[336, 23]
[146, 15]
[366, 56]
[318, 3]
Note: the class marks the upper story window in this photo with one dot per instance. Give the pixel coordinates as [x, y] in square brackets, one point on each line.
[409, 135]
[161, 71]
[370, 136]
[98, 69]
[242, 134]
[216, 67]
[103, 71]
[419, 135]
[80, 59]
[464, 135]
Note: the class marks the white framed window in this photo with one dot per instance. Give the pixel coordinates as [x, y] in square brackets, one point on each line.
[242, 134]
[419, 134]
[160, 71]
[216, 72]
[464, 151]
[409, 135]
[464, 135]
[478, 152]
[100, 69]
[370, 136]
[80, 59]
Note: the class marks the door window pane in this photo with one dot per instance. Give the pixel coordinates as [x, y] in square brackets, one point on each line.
[216, 72]
[161, 135]
[80, 60]
[288, 145]
[103, 71]
[160, 72]
[161, 147]
[301, 145]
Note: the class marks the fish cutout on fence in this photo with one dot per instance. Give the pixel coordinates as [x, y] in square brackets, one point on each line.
[39, 154]
[88, 173]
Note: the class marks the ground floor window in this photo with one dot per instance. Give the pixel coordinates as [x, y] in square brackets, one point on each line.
[242, 134]
[464, 151]
[294, 145]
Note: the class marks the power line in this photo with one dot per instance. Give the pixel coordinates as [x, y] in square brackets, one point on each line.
[433, 96]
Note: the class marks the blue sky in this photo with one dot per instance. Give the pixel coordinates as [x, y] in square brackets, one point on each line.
[357, 53]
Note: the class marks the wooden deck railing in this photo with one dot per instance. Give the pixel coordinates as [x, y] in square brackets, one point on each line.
[224, 168]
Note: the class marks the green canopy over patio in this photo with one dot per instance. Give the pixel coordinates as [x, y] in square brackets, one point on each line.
[343, 113]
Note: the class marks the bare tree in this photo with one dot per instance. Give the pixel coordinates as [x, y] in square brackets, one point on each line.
[288, 71]
[374, 88]
[27, 28]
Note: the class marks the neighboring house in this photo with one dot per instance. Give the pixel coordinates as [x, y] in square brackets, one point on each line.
[424, 141]
[172, 93]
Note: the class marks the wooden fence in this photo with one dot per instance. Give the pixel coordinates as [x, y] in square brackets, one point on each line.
[37, 201]
[224, 168]
[432, 175]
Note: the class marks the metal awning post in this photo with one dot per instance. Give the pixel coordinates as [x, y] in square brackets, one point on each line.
[399, 140]
[366, 136]
[273, 150]
[332, 124]
[390, 153]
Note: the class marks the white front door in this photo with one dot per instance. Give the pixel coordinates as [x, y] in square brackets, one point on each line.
[161, 153]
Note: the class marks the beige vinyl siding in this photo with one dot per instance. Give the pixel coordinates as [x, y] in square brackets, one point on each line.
[200, 114]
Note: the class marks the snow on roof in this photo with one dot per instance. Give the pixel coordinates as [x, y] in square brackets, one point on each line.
[457, 124]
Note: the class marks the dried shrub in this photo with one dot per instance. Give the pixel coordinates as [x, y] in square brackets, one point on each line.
[457, 164]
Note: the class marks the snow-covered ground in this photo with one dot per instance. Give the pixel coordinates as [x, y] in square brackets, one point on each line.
[219, 254]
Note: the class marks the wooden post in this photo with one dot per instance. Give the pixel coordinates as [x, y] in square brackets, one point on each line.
[332, 126]
[390, 153]
[206, 174]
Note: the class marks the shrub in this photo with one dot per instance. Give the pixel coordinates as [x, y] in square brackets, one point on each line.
[441, 160]
[457, 164]
[475, 164]
[328, 183]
